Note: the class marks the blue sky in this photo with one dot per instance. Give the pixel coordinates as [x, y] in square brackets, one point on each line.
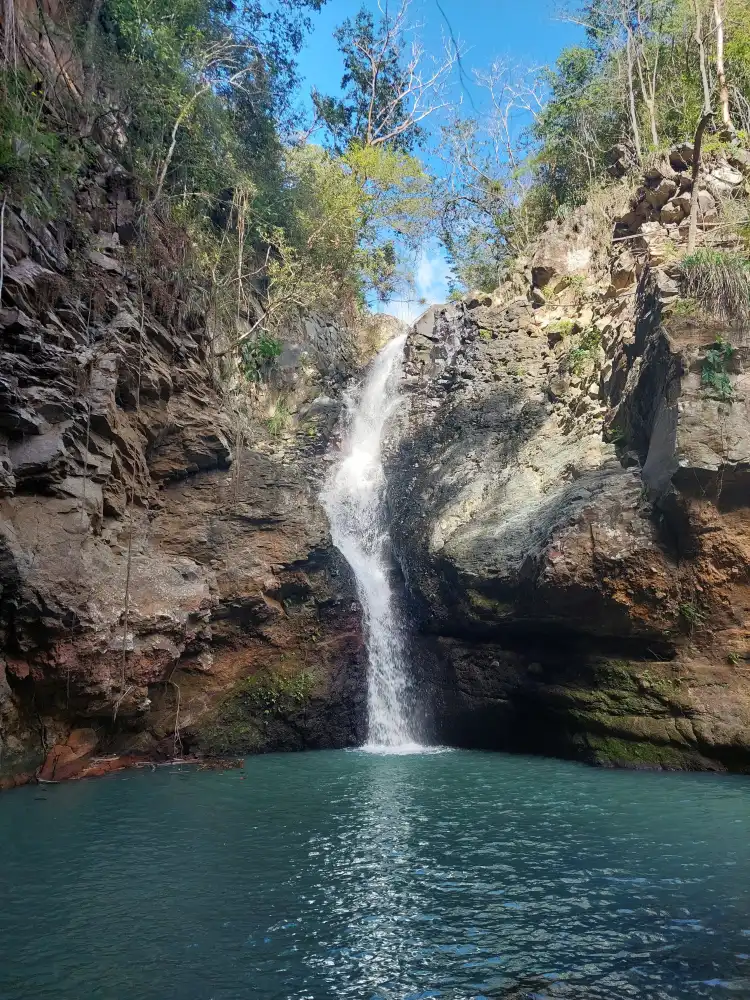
[525, 31]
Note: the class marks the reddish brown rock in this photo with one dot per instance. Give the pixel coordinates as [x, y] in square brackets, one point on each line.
[67, 759]
[145, 570]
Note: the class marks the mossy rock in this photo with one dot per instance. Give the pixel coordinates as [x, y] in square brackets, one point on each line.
[239, 724]
[611, 751]
[485, 605]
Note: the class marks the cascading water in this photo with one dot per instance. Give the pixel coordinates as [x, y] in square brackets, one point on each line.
[353, 498]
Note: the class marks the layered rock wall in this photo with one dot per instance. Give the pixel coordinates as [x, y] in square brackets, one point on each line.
[156, 567]
[570, 501]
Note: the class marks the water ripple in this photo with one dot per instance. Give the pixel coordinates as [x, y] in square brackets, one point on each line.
[349, 876]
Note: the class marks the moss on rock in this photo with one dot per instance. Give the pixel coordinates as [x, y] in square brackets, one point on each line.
[240, 722]
[615, 752]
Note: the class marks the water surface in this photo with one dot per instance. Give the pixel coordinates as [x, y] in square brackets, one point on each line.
[351, 876]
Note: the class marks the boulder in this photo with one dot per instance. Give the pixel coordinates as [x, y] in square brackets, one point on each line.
[67, 759]
[559, 257]
[659, 195]
[624, 271]
[726, 179]
[673, 212]
[681, 157]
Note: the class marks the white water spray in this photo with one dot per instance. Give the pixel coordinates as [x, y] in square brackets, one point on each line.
[353, 498]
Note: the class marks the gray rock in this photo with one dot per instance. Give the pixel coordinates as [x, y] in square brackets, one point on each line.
[658, 196]
[726, 177]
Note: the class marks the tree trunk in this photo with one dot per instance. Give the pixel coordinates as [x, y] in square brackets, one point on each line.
[631, 99]
[720, 71]
[693, 230]
[87, 58]
[702, 57]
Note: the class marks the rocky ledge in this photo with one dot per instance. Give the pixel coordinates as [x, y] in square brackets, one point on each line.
[571, 500]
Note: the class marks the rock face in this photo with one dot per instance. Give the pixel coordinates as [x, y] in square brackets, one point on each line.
[571, 511]
[151, 577]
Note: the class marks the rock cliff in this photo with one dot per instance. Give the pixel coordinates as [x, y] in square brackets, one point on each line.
[165, 582]
[570, 497]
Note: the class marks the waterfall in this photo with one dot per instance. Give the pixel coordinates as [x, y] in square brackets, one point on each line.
[354, 497]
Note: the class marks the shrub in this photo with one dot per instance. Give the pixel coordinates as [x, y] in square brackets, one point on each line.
[258, 356]
[562, 326]
[580, 356]
[280, 418]
[36, 159]
[694, 616]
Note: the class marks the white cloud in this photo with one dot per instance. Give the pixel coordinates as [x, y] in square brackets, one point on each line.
[431, 285]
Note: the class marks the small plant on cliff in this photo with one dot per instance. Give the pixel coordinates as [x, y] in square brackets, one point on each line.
[580, 356]
[563, 327]
[615, 435]
[276, 692]
[683, 308]
[34, 155]
[719, 280]
[714, 375]
[692, 614]
[577, 286]
[280, 418]
[258, 356]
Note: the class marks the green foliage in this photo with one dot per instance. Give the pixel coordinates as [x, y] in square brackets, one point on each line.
[366, 115]
[258, 355]
[173, 63]
[280, 418]
[580, 356]
[239, 723]
[581, 120]
[719, 280]
[683, 308]
[272, 693]
[735, 659]
[346, 215]
[632, 89]
[614, 750]
[563, 327]
[37, 160]
[714, 373]
[615, 435]
[692, 614]
[489, 209]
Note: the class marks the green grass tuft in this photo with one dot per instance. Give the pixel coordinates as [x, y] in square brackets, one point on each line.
[719, 280]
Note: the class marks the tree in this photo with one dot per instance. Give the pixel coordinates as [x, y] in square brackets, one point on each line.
[582, 118]
[488, 214]
[720, 67]
[389, 86]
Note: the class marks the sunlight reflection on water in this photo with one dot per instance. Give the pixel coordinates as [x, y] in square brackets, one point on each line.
[364, 875]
